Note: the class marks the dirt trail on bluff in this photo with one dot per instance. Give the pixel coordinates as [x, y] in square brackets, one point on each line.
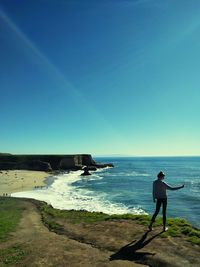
[107, 243]
[45, 248]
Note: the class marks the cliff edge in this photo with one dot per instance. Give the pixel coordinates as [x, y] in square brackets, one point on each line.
[48, 162]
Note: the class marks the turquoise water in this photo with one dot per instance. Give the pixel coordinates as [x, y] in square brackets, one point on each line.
[127, 188]
[130, 183]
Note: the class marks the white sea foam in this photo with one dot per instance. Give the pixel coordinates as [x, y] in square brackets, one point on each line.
[129, 174]
[63, 194]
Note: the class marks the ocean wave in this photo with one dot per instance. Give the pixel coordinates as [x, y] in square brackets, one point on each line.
[128, 174]
[62, 194]
[193, 185]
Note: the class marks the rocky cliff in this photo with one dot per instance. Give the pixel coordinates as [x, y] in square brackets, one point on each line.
[48, 162]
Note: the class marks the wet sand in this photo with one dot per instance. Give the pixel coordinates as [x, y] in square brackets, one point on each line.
[12, 181]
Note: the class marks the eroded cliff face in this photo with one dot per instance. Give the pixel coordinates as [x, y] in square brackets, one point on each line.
[77, 161]
[48, 162]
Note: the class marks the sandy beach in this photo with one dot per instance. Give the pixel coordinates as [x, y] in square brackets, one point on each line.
[12, 181]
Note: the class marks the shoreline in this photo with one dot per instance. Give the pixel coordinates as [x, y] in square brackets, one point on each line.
[16, 181]
[12, 181]
[49, 180]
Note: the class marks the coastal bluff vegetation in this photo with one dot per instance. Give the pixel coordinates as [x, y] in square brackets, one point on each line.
[32, 233]
[48, 162]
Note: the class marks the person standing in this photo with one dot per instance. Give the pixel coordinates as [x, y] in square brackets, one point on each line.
[160, 197]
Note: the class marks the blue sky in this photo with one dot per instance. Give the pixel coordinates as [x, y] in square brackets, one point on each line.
[100, 77]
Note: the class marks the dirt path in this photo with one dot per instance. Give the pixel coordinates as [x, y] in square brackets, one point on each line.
[107, 243]
[132, 242]
[45, 248]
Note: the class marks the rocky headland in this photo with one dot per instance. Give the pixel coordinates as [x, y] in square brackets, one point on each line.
[49, 162]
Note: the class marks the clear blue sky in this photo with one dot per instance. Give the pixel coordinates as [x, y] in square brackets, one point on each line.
[100, 77]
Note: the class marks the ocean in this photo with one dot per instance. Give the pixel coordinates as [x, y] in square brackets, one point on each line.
[127, 188]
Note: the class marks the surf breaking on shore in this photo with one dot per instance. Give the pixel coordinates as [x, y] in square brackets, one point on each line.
[63, 194]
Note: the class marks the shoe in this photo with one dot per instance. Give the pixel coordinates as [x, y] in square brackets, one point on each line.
[165, 229]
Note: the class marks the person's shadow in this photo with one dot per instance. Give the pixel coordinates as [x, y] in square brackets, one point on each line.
[129, 252]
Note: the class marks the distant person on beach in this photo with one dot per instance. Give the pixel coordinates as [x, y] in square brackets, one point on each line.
[160, 197]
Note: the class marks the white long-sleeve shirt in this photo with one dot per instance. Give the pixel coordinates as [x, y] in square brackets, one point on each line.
[160, 188]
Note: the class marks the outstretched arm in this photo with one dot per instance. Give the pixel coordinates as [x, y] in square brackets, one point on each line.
[173, 188]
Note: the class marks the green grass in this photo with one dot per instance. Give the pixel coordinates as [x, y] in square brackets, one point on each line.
[83, 216]
[195, 240]
[10, 214]
[178, 227]
[53, 225]
[73, 215]
[11, 255]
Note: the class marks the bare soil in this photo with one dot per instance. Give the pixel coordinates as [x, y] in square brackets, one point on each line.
[107, 243]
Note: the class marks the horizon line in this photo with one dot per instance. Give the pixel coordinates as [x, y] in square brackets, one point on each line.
[100, 155]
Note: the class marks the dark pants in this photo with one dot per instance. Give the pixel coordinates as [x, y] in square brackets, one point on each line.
[163, 202]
